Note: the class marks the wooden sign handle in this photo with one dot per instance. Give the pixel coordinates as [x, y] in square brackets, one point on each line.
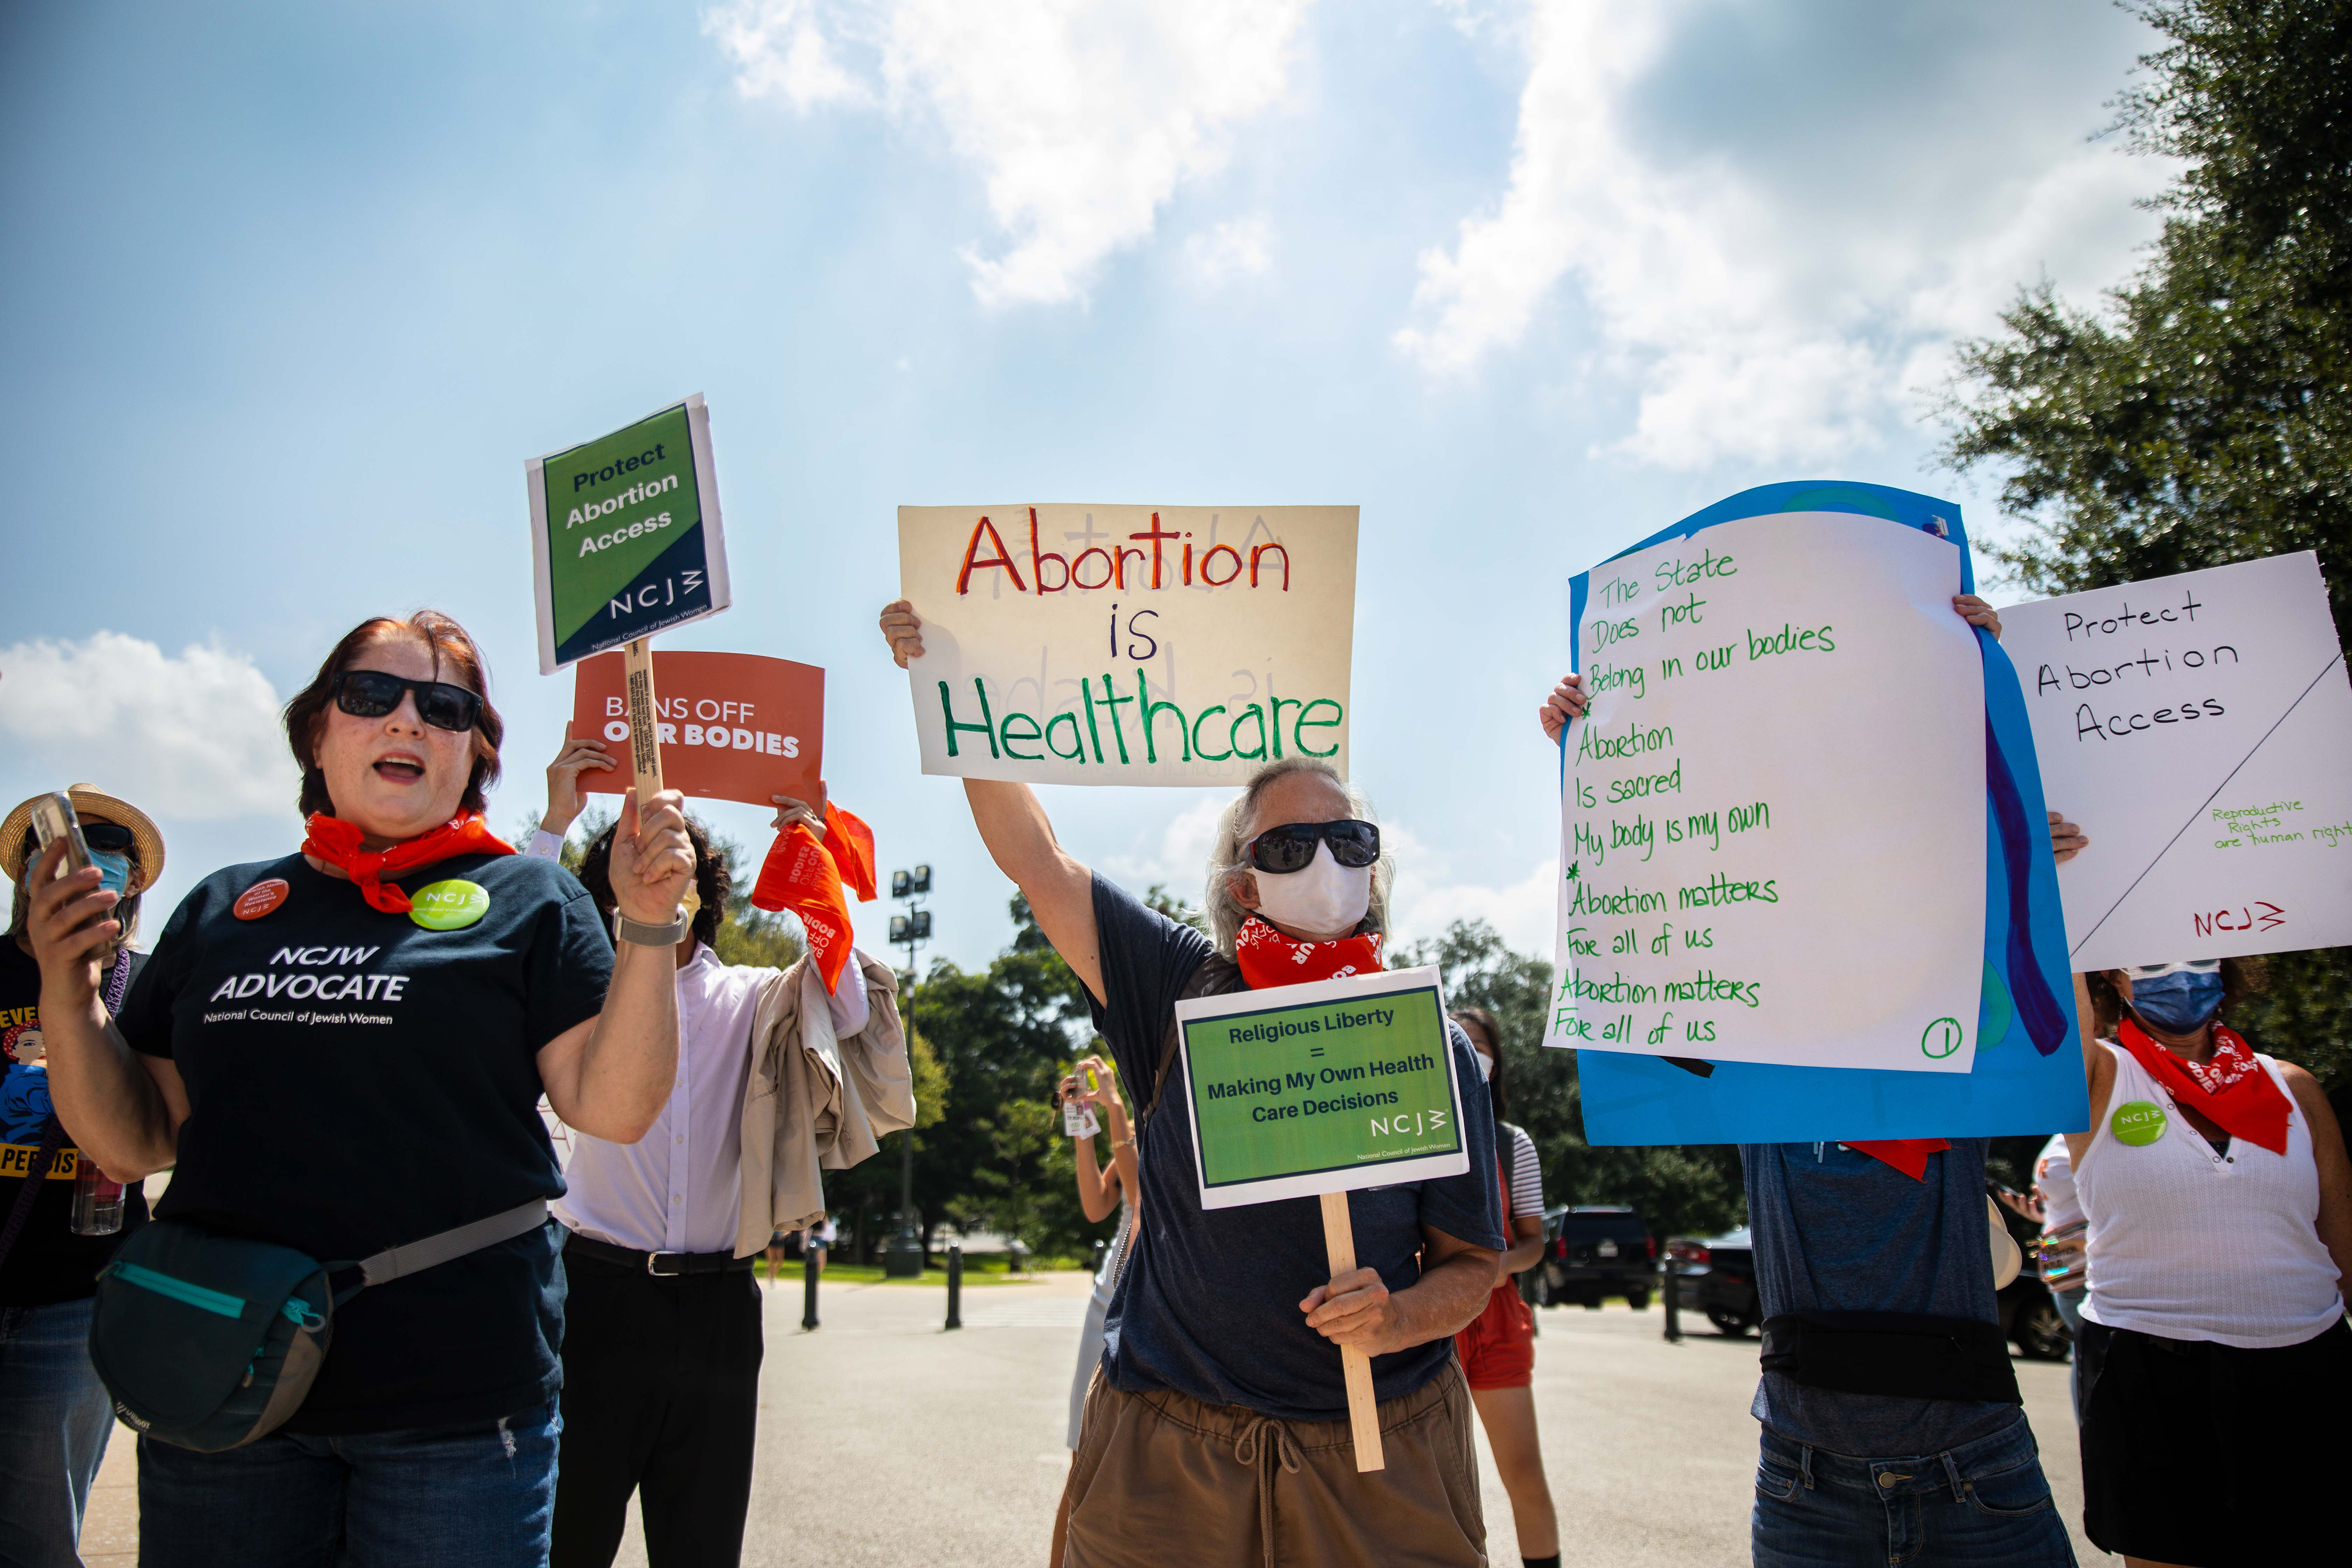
[645, 733]
[1364, 1410]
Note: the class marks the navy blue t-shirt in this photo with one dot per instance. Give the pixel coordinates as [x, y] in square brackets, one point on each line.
[1839, 1231]
[357, 1082]
[1208, 1303]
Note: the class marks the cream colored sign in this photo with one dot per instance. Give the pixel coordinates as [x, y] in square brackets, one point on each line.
[1128, 645]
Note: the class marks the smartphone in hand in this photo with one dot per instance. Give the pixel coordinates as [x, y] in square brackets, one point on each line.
[54, 819]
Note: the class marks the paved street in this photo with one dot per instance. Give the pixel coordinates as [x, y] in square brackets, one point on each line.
[886, 1442]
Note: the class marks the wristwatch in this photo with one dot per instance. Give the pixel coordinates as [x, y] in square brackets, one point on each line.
[627, 929]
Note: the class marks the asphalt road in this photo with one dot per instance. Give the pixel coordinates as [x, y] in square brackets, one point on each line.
[884, 1441]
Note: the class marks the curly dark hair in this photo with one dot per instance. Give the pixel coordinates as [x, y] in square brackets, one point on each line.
[1486, 1022]
[452, 645]
[712, 881]
[2241, 978]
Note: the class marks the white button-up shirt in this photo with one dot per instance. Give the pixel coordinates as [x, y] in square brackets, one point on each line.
[680, 1187]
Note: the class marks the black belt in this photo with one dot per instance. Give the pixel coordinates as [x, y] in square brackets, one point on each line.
[661, 1264]
[1905, 1354]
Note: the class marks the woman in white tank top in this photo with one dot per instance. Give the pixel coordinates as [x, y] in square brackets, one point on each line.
[2219, 1198]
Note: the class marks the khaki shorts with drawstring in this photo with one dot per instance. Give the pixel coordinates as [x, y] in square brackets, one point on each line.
[1163, 1479]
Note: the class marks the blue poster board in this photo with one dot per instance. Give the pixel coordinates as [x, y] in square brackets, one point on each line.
[2027, 1076]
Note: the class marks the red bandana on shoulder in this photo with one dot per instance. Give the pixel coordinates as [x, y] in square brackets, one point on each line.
[1267, 958]
[337, 842]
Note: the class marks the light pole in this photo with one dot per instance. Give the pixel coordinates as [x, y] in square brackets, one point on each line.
[903, 1258]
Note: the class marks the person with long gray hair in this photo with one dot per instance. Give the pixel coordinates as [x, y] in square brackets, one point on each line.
[1219, 1416]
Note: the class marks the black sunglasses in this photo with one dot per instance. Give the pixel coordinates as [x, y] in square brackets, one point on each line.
[1289, 847]
[111, 837]
[372, 694]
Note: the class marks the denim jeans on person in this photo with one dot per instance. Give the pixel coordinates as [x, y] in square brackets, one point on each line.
[1984, 1501]
[475, 1496]
[54, 1420]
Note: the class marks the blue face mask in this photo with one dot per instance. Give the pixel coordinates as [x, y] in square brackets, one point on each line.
[2180, 1003]
[113, 870]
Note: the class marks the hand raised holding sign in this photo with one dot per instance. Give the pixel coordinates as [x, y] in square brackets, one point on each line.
[653, 863]
[563, 801]
[903, 630]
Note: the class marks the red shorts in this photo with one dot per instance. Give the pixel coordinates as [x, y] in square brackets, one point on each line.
[1499, 1348]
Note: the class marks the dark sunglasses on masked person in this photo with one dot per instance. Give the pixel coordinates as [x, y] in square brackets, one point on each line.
[372, 694]
[1291, 847]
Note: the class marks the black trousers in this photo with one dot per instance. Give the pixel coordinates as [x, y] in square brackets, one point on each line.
[661, 1397]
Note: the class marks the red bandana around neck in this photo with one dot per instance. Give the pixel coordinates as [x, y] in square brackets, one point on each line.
[1908, 1155]
[2232, 1089]
[851, 844]
[1267, 958]
[337, 842]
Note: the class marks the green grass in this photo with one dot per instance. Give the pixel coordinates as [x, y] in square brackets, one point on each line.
[975, 1272]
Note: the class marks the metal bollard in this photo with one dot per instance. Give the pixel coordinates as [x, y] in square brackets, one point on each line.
[955, 1284]
[808, 1286]
[1673, 1304]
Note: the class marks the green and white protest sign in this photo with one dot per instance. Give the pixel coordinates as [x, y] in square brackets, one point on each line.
[1324, 1087]
[1316, 1089]
[624, 536]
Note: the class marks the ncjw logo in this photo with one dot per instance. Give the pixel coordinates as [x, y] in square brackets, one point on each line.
[2256, 916]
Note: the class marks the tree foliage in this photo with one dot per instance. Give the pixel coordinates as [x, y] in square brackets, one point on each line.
[2202, 414]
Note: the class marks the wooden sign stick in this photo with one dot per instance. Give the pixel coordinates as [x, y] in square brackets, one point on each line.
[1364, 1410]
[644, 732]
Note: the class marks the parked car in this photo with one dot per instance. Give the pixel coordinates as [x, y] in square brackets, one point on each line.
[1594, 1251]
[1717, 1276]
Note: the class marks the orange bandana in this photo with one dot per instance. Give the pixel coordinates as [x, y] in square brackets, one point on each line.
[337, 843]
[799, 875]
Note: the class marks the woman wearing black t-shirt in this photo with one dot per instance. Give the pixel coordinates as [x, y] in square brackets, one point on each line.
[343, 1050]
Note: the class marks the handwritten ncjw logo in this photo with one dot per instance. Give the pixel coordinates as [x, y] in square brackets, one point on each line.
[2256, 916]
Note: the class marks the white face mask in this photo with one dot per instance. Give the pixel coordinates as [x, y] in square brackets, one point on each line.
[1486, 1066]
[1326, 900]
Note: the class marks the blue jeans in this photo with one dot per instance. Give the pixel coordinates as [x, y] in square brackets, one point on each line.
[54, 1420]
[1984, 1501]
[480, 1496]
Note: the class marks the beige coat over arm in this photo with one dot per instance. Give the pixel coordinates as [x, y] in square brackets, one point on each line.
[814, 1102]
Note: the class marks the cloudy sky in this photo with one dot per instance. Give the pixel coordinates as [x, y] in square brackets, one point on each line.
[290, 292]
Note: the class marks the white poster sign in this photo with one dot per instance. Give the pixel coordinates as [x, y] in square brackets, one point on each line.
[2199, 728]
[1128, 645]
[1772, 822]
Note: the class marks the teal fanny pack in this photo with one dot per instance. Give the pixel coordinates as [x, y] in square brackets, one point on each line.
[210, 1341]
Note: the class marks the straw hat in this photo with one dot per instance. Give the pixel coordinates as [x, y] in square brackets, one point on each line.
[89, 801]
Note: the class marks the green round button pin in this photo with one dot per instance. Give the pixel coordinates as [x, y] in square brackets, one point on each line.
[2137, 1123]
[452, 905]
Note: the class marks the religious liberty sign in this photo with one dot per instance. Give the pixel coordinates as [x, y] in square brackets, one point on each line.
[1128, 645]
[1772, 820]
[624, 536]
[1323, 1087]
[2199, 728]
[1315, 1090]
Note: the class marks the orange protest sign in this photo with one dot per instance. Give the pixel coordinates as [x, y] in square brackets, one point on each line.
[734, 726]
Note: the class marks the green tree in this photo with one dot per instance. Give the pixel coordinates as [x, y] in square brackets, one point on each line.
[2201, 414]
[1693, 1190]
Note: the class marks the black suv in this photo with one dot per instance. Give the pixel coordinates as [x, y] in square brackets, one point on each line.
[1717, 1276]
[1595, 1251]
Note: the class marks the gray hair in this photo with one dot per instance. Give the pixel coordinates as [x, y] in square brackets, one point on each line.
[1224, 912]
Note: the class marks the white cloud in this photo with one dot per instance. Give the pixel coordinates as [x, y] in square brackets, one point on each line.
[1428, 897]
[1083, 116]
[1240, 247]
[1758, 318]
[194, 736]
[1179, 858]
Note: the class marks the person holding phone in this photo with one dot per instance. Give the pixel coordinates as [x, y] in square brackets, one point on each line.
[1101, 1189]
[342, 1050]
[55, 1416]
